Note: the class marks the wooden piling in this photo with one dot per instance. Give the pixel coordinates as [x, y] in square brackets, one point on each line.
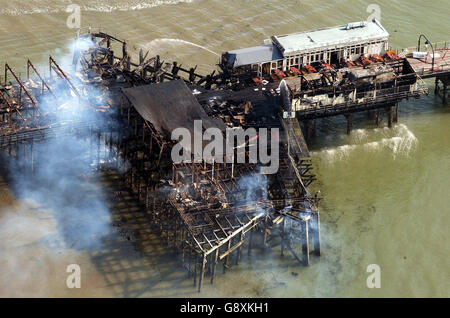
[32, 156]
[216, 257]
[377, 118]
[202, 273]
[308, 129]
[390, 111]
[349, 123]
[397, 105]
[250, 241]
[239, 252]
[444, 92]
[316, 233]
[225, 262]
[283, 236]
[195, 270]
[305, 241]
[265, 232]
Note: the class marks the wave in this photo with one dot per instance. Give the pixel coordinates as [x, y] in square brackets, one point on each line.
[157, 42]
[398, 141]
[41, 7]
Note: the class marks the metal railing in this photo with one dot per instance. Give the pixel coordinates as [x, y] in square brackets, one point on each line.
[442, 45]
[363, 100]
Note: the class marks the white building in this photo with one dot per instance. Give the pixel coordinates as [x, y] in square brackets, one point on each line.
[329, 45]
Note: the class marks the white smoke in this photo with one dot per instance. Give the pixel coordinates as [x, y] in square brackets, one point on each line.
[156, 43]
[62, 163]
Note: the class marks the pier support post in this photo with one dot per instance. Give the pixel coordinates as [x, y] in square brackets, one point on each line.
[308, 129]
[265, 232]
[283, 236]
[305, 244]
[390, 111]
[445, 92]
[442, 92]
[216, 257]
[349, 123]
[315, 226]
[239, 251]
[202, 273]
[314, 133]
[250, 241]
[32, 156]
[225, 263]
[377, 118]
[397, 105]
[195, 270]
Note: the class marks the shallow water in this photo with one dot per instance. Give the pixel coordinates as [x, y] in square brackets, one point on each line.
[386, 190]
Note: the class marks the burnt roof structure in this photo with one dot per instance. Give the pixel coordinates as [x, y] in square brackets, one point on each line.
[169, 105]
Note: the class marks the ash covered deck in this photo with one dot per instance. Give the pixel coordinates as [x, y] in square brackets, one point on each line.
[424, 66]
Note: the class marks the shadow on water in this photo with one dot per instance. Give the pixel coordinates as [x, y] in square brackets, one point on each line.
[133, 259]
[94, 214]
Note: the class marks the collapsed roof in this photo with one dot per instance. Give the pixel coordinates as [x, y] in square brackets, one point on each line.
[170, 105]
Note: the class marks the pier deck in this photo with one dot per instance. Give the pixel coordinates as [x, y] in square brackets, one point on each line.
[424, 67]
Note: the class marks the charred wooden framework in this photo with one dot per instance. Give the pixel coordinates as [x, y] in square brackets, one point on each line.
[205, 211]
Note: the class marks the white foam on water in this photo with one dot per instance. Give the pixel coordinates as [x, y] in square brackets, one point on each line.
[399, 140]
[157, 42]
[40, 7]
[359, 134]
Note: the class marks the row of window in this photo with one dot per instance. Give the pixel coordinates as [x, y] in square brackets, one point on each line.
[323, 56]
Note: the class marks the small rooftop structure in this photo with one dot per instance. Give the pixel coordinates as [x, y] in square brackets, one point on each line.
[256, 54]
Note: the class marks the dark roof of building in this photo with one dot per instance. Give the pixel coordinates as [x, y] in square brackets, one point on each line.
[170, 105]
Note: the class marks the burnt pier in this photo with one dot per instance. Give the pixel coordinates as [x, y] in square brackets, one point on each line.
[211, 213]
